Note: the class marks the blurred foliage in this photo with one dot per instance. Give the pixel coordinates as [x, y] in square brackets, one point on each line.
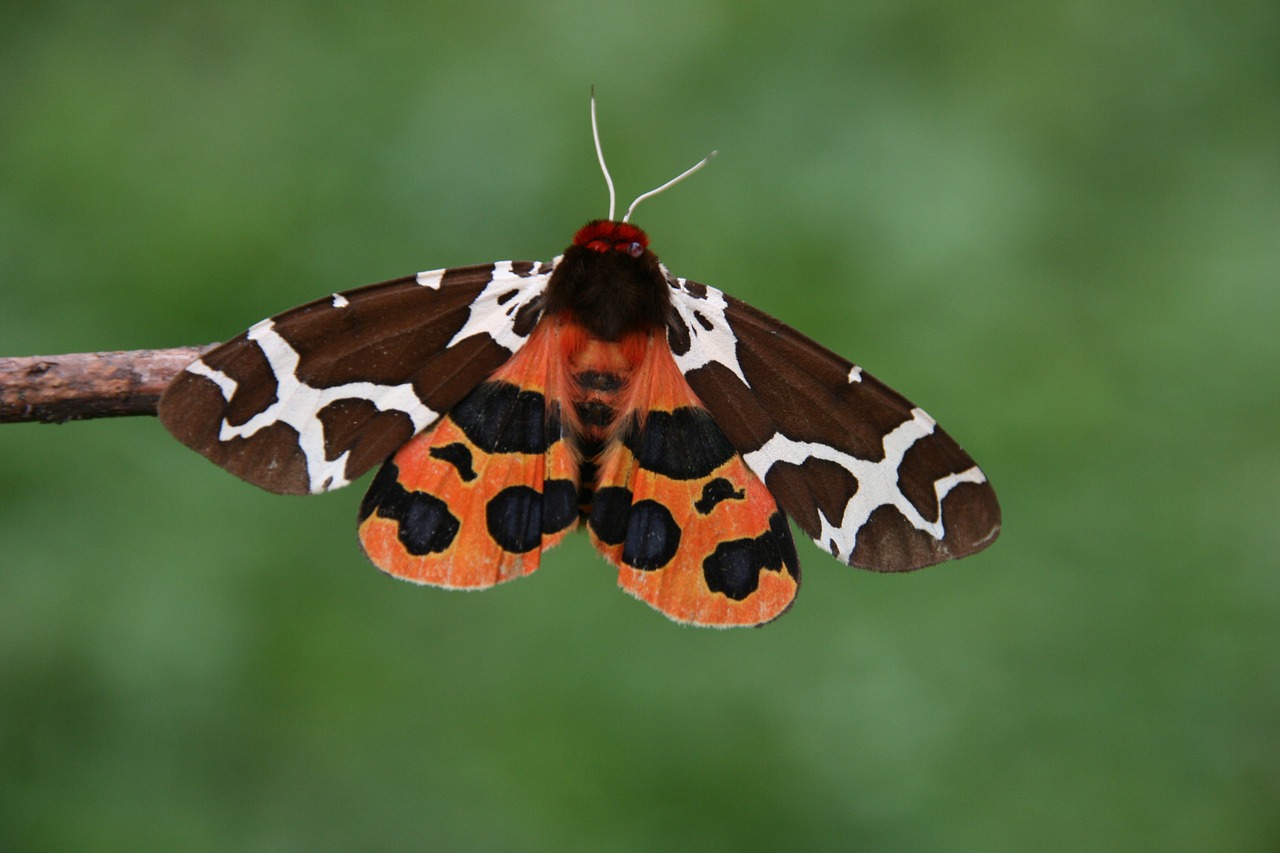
[1053, 225]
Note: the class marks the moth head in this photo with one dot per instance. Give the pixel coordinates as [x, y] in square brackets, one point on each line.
[605, 235]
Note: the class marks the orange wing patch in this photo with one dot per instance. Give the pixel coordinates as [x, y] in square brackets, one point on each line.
[476, 499]
[692, 531]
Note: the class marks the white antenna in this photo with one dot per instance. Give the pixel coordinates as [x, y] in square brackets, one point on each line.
[677, 179]
[595, 132]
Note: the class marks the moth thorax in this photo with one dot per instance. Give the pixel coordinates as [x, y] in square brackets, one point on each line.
[610, 282]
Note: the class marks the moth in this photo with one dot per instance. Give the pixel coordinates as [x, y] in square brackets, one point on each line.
[510, 402]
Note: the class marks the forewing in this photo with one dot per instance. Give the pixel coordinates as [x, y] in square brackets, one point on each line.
[475, 500]
[310, 399]
[866, 474]
[692, 531]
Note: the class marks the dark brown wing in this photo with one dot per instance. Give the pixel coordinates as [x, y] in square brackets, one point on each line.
[310, 399]
[866, 474]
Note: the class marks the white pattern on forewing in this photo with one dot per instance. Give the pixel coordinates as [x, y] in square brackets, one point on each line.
[299, 404]
[225, 383]
[877, 481]
[431, 278]
[495, 319]
[719, 343]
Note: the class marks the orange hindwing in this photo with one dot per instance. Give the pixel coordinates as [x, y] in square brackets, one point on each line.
[477, 498]
[692, 531]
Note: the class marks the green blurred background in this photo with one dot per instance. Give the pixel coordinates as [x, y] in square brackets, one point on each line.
[1055, 226]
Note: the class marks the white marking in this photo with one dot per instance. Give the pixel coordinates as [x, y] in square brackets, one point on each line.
[877, 481]
[431, 278]
[718, 344]
[497, 319]
[225, 383]
[855, 374]
[298, 405]
[970, 475]
[340, 301]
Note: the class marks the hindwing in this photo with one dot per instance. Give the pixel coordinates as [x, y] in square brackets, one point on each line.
[475, 500]
[692, 531]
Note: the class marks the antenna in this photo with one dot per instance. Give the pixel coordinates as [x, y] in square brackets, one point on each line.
[677, 179]
[595, 133]
[613, 198]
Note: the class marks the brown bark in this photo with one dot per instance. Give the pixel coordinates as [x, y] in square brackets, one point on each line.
[58, 388]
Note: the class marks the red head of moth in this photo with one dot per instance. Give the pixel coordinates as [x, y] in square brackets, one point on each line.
[510, 402]
[604, 235]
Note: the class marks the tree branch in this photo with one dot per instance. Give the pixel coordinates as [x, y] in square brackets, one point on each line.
[59, 388]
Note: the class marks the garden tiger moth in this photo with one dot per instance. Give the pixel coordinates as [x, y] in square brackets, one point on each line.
[509, 402]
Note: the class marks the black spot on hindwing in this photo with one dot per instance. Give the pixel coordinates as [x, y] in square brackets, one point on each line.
[519, 516]
[646, 530]
[499, 417]
[514, 518]
[459, 457]
[559, 505]
[383, 488]
[609, 509]
[652, 536]
[424, 524]
[716, 491]
[733, 569]
[683, 444]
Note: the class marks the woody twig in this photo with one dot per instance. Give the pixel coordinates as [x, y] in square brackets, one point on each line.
[78, 386]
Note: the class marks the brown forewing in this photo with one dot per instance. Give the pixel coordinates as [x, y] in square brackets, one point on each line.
[802, 390]
[390, 333]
